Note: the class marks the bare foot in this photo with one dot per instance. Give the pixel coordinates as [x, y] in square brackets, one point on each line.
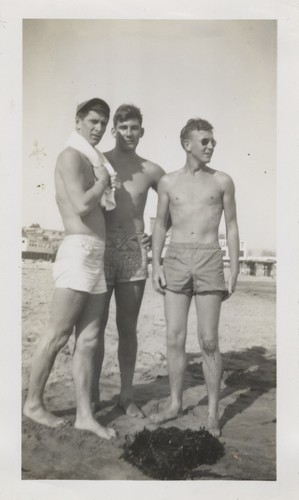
[165, 413]
[92, 425]
[42, 416]
[213, 425]
[131, 409]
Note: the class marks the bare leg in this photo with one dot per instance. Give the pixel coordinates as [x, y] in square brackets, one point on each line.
[208, 312]
[66, 308]
[176, 314]
[87, 338]
[128, 298]
[100, 351]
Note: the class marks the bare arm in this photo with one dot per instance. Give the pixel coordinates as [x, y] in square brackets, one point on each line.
[71, 170]
[232, 232]
[157, 173]
[159, 235]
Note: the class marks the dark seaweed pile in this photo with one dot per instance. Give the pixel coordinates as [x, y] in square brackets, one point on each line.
[172, 453]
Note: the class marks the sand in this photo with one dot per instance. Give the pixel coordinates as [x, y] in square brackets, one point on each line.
[247, 399]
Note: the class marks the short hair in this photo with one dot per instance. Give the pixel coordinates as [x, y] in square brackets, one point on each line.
[96, 104]
[194, 124]
[127, 112]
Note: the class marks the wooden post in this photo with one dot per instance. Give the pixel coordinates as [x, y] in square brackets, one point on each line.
[252, 267]
[268, 268]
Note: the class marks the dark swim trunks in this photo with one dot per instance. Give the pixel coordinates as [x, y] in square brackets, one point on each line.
[194, 268]
[125, 258]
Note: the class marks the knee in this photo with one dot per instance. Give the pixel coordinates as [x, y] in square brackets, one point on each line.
[88, 342]
[175, 339]
[209, 346]
[127, 327]
[60, 329]
[56, 339]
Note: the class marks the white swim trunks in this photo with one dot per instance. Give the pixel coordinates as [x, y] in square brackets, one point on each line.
[79, 264]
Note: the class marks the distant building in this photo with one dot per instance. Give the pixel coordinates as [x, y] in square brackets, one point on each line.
[39, 243]
[24, 241]
[224, 248]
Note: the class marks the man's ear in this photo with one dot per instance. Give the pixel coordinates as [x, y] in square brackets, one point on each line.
[141, 132]
[113, 132]
[187, 145]
[78, 124]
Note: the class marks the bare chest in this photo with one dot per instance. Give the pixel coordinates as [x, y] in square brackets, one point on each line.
[195, 192]
[135, 186]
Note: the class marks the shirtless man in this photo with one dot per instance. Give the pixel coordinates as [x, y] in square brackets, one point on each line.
[80, 287]
[126, 247]
[196, 197]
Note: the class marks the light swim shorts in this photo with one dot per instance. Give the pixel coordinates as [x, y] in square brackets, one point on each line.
[79, 264]
[125, 258]
[194, 268]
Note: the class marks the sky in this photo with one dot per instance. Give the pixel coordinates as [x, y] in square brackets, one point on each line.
[220, 70]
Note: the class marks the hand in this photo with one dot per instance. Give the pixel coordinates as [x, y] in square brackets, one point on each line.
[232, 281]
[158, 280]
[146, 241]
[102, 175]
[115, 182]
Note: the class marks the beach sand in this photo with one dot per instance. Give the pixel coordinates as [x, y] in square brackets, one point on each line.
[247, 398]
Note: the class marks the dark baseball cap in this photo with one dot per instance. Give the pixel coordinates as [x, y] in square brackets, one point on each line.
[92, 102]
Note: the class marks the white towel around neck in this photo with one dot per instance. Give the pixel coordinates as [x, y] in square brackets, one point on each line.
[97, 159]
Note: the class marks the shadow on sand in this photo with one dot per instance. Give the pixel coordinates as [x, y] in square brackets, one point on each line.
[251, 371]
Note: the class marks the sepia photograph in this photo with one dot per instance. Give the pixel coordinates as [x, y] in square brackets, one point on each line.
[219, 78]
[150, 254]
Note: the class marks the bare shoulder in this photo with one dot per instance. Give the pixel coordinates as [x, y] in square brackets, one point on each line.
[109, 155]
[153, 169]
[68, 157]
[169, 179]
[225, 180]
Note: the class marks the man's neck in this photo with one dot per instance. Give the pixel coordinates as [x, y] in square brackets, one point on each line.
[193, 166]
[126, 156]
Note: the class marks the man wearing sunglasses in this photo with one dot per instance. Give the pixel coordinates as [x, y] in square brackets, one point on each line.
[196, 196]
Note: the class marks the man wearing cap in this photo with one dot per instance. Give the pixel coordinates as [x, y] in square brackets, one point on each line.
[82, 185]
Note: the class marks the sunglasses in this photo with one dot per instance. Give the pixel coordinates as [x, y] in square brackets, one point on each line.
[205, 142]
